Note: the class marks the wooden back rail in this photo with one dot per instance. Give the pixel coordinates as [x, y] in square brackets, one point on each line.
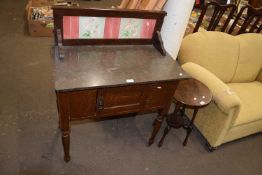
[252, 22]
[219, 10]
[62, 13]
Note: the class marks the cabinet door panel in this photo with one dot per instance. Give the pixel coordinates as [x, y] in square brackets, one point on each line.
[159, 94]
[82, 104]
[119, 100]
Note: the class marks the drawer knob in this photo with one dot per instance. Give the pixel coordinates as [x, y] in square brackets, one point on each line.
[159, 87]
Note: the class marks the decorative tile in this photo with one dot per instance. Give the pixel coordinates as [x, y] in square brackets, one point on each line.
[130, 28]
[91, 27]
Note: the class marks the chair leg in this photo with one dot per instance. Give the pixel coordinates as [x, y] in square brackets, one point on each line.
[211, 148]
[167, 129]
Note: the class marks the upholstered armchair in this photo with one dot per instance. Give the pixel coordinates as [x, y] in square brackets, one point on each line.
[231, 66]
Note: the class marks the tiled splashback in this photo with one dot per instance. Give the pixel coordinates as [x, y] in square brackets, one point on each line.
[78, 27]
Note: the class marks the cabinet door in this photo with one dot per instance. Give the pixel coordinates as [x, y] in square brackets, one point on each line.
[119, 100]
[159, 94]
[82, 104]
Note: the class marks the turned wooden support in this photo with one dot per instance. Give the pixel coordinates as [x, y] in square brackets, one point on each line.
[66, 144]
[156, 126]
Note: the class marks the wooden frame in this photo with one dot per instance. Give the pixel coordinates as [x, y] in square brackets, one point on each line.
[59, 12]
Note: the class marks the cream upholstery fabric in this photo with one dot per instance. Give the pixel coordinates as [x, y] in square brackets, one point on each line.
[250, 95]
[250, 57]
[231, 66]
[243, 131]
[214, 120]
[223, 96]
[213, 123]
[259, 77]
[208, 50]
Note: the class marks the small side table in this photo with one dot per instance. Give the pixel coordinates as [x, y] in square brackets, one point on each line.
[191, 94]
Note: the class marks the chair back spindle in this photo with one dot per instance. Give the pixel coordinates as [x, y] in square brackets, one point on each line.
[219, 11]
[252, 21]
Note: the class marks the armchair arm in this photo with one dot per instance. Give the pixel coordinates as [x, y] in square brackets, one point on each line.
[225, 98]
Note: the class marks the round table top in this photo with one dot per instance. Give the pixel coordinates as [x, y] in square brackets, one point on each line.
[193, 93]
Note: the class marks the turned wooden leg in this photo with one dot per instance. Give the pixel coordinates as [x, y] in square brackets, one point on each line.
[157, 124]
[66, 145]
[62, 101]
[167, 129]
[190, 127]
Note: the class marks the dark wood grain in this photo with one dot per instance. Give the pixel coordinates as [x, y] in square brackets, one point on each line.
[158, 42]
[112, 101]
[82, 104]
[120, 100]
[157, 95]
[193, 93]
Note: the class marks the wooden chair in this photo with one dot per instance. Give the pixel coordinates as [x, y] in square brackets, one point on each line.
[251, 23]
[219, 11]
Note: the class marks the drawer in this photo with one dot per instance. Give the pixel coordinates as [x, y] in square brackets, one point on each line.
[82, 104]
[119, 100]
[159, 94]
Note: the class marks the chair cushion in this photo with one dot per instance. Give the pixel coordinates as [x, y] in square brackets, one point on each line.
[250, 57]
[250, 95]
[216, 51]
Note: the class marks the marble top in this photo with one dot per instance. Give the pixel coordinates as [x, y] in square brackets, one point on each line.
[86, 67]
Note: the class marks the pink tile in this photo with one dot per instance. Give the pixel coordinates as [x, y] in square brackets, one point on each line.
[112, 26]
[71, 27]
[148, 28]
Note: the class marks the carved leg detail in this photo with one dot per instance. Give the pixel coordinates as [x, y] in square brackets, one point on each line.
[167, 129]
[157, 125]
[66, 145]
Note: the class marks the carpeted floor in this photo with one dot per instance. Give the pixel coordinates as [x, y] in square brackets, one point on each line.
[30, 142]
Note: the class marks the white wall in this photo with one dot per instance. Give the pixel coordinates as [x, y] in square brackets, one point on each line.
[178, 13]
